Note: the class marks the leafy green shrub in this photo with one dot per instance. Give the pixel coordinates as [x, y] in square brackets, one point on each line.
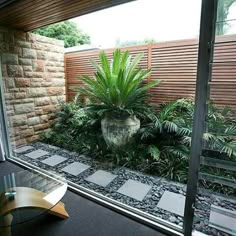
[162, 145]
[76, 129]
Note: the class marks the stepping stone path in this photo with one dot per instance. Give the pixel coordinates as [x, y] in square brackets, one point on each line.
[36, 154]
[172, 202]
[134, 189]
[54, 160]
[220, 218]
[223, 219]
[101, 178]
[23, 149]
[75, 168]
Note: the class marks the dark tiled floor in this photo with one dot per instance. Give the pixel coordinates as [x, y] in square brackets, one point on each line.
[86, 218]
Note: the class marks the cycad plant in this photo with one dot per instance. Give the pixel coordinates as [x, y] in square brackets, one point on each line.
[118, 86]
[118, 92]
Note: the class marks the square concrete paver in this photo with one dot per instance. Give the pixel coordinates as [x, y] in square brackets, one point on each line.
[135, 189]
[75, 168]
[172, 202]
[223, 219]
[23, 149]
[54, 160]
[36, 154]
[101, 178]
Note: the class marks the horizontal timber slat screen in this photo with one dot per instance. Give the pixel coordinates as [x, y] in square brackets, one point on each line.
[175, 64]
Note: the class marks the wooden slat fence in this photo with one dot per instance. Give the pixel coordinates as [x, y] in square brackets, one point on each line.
[175, 63]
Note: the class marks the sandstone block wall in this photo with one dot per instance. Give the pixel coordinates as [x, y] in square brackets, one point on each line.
[33, 82]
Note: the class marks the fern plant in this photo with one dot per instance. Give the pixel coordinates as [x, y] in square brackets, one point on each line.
[117, 86]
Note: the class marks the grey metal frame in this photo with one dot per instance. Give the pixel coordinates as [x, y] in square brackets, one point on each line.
[3, 121]
[205, 57]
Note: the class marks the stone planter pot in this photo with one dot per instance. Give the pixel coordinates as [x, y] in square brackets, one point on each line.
[118, 131]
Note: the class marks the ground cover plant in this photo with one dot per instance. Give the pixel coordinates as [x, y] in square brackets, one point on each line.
[161, 146]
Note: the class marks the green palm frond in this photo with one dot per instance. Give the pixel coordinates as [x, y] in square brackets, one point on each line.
[118, 85]
[154, 151]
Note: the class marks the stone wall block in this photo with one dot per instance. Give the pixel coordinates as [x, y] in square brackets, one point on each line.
[54, 91]
[35, 84]
[30, 37]
[9, 58]
[37, 80]
[33, 74]
[58, 82]
[46, 84]
[9, 83]
[24, 108]
[37, 46]
[22, 89]
[44, 119]
[27, 133]
[32, 138]
[26, 62]
[55, 56]
[14, 70]
[20, 35]
[20, 95]
[19, 142]
[54, 100]
[61, 98]
[22, 82]
[37, 92]
[28, 68]
[49, 108]
[27, 100]
[33, 121]
[23, 44]
[39, 112]
[41, 55]
[39, 65]
[9, 96]
[52, 69]
[50, 63]
[41, 127]
[58, 75]
[61, 69]
[18, 120]
[42, 101]
[29, 53]
[15, 50]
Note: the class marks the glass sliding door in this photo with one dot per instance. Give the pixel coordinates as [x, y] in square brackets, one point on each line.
[215, 212]
[148, 176]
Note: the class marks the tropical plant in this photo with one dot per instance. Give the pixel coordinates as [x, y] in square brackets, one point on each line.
[171, 128]
[76, 129]
[162, 145]
[119, 86]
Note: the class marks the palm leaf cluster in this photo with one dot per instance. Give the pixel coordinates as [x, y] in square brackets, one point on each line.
[117, 86]
[162, 145]
[167, 137]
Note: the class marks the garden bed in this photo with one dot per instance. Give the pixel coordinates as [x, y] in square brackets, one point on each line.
[149, 203]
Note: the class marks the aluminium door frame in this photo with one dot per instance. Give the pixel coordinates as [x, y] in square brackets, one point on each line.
[204, 69]
[5, 142]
